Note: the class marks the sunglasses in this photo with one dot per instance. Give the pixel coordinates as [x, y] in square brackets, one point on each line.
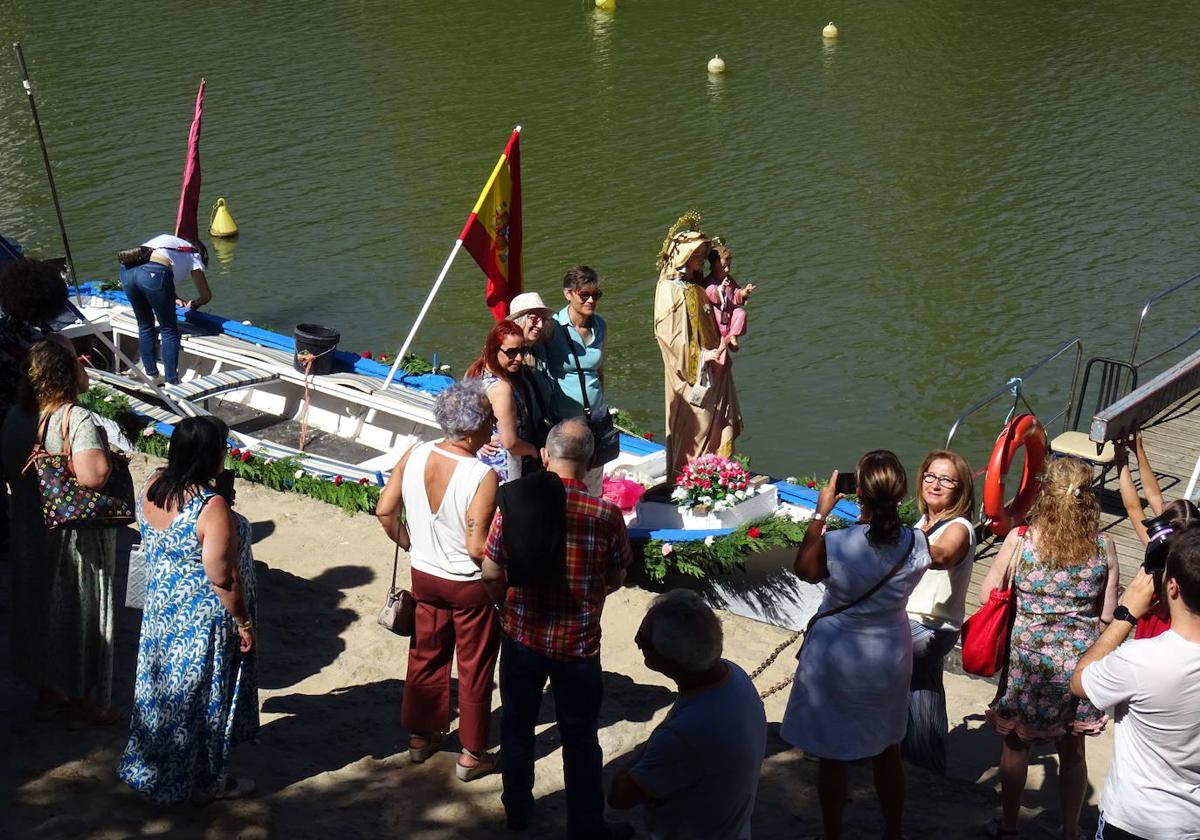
[515, 352]
[586, 296]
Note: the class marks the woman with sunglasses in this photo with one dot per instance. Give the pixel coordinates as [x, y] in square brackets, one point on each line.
[937, 606]
[575, 356]
[500, 368]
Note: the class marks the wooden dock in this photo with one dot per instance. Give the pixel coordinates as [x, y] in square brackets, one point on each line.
[1172, 443]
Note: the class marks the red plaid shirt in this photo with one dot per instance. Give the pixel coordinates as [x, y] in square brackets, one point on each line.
[563, 621]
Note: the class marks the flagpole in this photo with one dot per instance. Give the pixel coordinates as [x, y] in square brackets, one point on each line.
[421, 315]
[37, 123]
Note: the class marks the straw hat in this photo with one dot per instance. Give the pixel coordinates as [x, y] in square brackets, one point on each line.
[526, 303]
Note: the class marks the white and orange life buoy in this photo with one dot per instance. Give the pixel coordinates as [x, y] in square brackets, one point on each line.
[1023, 430]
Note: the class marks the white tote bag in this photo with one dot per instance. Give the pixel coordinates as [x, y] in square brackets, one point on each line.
[139, 573]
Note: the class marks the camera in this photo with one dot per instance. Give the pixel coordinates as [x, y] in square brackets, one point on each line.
[1158, 531]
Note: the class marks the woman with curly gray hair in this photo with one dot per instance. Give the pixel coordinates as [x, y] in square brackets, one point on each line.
[438, 506]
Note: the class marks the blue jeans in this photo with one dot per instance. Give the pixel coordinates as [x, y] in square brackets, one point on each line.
[924, 743]
[151, 291]
[578, 690]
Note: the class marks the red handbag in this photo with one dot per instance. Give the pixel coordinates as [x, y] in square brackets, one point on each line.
[986, 634]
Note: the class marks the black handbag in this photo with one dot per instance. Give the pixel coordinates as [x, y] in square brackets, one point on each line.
[605, 437]
[133, 257]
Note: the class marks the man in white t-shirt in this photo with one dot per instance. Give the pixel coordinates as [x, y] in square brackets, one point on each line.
[698, 773]
[1153, 687]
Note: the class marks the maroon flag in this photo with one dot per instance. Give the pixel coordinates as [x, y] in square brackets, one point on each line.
[189, 196]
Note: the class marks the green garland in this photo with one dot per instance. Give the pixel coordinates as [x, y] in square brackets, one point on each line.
[284, 474]
[700, 558]
[625, 422]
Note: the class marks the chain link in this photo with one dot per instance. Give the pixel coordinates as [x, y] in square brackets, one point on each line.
[757, 672]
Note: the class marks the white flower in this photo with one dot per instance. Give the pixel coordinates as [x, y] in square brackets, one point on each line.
[299, 473]
[444, 367]
[679, 493]
[740, 494]
[706, 500]
[245, 323]
[708, 540]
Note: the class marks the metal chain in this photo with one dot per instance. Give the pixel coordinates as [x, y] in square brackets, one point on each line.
[757, 672]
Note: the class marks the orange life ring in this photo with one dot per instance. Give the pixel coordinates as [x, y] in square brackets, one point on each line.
[1022, 430]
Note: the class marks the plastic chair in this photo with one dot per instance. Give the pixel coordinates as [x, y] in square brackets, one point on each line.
[1117, 379]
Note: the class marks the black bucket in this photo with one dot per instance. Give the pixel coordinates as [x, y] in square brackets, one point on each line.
[319, 341]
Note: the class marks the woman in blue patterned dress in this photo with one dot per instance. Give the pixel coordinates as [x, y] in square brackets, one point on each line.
[501, 367]
[1066, 580]
[196, 694]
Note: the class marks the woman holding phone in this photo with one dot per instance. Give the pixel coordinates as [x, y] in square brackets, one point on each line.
[849, 700]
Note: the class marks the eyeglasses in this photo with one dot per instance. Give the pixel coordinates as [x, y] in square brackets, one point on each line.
[535, 317]
[942, 480]
[516, 352]
[586, 296]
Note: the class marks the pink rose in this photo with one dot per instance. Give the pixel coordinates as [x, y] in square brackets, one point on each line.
[667, 549]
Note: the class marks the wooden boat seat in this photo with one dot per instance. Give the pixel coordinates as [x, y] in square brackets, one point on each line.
[222, 382]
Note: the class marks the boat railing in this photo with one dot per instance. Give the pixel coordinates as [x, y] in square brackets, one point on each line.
[1014, 389]
[1134, 363]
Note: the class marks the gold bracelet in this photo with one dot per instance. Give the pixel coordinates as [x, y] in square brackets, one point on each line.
[248, 624]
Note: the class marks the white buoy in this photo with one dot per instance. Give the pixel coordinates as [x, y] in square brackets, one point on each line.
[830, 31]
[716, 64]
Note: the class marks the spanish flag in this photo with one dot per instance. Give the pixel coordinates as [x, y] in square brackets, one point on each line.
[492, 234]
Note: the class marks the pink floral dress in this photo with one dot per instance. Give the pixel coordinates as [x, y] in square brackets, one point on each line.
[1058, 619]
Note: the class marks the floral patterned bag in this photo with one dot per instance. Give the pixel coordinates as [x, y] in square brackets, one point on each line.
[68, 504]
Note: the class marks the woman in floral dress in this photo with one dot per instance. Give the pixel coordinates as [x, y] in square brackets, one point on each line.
[1066, 580]
[501, 367]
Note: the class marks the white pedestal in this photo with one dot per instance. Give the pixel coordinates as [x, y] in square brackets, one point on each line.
[659, 515]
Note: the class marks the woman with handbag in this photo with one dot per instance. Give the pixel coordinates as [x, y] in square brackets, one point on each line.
[1064, 576]
[196, 693]
[62, 623]
[575, 356]
[438, 506]
[849, 699]
[937, 606]
[501, 369]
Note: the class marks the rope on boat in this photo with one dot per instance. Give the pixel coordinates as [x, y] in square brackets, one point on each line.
[309, 359]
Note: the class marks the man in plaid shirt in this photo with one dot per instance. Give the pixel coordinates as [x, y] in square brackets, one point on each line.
[552, 632]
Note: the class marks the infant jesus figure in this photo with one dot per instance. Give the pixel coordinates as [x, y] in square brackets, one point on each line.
[726, 296]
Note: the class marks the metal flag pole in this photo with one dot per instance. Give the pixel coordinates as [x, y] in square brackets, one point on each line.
[421, 315]
[37, 123]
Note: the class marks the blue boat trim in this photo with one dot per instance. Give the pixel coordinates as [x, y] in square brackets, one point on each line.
[344, 361]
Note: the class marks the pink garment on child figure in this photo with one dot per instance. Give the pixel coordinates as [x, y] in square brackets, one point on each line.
[726, 295]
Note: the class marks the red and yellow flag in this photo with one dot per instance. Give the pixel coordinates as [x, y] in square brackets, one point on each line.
[492, 234]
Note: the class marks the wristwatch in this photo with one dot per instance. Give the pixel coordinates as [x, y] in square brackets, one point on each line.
[1122, 613]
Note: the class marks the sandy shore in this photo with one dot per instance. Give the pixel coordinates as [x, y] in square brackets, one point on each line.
[332, 760]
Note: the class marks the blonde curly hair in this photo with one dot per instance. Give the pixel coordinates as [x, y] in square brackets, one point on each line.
[51, 377]
[1066, 514]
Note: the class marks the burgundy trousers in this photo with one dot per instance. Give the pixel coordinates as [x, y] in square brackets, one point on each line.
[451, 615]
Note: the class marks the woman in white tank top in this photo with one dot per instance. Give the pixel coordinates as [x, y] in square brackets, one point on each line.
[946, 498]
[438, 506]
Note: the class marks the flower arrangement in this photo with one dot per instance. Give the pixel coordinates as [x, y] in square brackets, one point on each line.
[714, 481]
[716, 555]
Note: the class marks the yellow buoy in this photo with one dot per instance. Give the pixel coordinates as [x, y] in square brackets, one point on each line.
[716, 64]
[222, 224]
[830, 31]
[606, 5]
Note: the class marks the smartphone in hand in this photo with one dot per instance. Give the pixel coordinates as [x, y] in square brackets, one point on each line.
[846, 483]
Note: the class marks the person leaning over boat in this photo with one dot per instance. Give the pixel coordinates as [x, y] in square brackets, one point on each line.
[938, 605]
[501, 369]
[529, 313]
[437, 506]
[849, 699]
[152, 287]
[196, 694]
[62, 579]
[575, 358]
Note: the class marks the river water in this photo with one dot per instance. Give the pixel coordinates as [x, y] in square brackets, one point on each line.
[928, 205]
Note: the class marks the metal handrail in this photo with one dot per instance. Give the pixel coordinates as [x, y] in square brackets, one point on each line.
[1013, 388]
[1150, 301]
